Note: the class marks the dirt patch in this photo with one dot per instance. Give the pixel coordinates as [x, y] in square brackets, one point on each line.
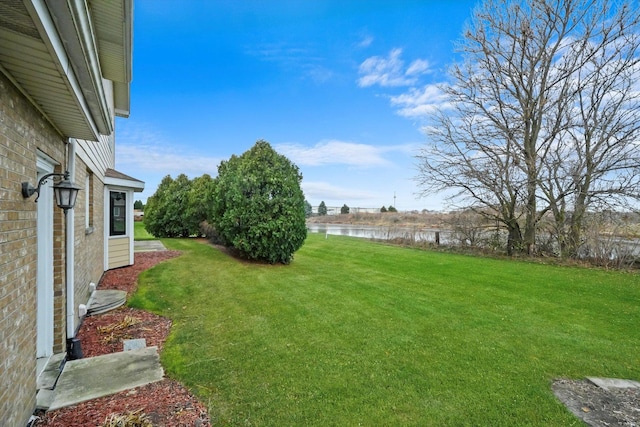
[599, 407]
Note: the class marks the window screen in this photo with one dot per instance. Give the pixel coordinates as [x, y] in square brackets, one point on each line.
[118, 210]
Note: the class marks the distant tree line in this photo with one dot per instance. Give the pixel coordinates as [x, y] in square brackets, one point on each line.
[345, 209]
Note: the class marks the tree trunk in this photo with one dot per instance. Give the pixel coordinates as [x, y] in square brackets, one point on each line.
[530, 222]
[575, 225]
[514, 239]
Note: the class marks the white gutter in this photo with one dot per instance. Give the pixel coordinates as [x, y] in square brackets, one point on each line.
[69, 245]
[124, 86]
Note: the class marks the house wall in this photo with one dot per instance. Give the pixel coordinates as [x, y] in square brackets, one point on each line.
[88, 241]
[98, 156]
[119, 252]
[23, 131]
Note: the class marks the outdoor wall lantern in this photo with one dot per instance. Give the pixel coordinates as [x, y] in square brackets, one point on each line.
[66, 191]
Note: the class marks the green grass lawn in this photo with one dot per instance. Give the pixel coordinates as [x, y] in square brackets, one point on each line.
[139, 232]
[361, 333]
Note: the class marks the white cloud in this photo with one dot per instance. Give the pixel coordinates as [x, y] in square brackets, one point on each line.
[160, 159]
[419, 66]
[319, 74]
[366, 41]
[390, 71]
[301, 58]
[332, 194]
[420, 102]
[358, 196]
[334, 152]
[280, 52]
[140, 151]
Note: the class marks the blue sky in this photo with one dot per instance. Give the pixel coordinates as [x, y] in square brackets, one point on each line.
[339, 87]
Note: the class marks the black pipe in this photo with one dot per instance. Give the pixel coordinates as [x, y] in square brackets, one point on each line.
[74, 349]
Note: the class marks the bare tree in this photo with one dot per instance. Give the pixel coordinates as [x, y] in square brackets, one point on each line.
[526, 107]
[468, 228]
[466, 156]
[605, 125]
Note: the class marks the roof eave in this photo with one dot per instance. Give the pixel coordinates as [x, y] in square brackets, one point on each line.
[39, 12]
[115, 48]
[118, 179]
[59, 55]
[74, 25]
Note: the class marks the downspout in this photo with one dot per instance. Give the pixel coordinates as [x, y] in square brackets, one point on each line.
[73, 346]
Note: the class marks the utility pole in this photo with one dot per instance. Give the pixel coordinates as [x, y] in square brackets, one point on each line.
[394, 200]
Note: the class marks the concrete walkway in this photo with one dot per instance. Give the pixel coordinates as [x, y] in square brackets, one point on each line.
[93, 377]
[148, 246]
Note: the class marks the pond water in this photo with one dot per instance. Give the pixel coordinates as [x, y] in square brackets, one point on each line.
[417, 234]
[614, 247]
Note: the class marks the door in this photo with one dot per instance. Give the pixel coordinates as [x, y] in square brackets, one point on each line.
[44, 229]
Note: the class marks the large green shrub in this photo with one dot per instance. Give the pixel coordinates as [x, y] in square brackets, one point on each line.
[259, 205]
[200, 201]
[154, 213]
[166, 213]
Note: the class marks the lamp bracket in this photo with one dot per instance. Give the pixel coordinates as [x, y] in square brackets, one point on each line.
[28, 189]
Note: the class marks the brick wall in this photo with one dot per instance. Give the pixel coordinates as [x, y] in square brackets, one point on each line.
[23, 131]
[89, 241]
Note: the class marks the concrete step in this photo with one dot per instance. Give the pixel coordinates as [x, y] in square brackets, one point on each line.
[49, 371]
[106, 300]
[609, 383]
[94, 377]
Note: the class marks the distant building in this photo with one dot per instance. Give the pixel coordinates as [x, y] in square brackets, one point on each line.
[335, 210]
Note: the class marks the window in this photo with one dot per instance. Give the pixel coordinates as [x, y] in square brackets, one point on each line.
[118, 210]
[88, 213]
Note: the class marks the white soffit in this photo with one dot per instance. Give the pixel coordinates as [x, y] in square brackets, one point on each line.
[34, 57]
[40, 68]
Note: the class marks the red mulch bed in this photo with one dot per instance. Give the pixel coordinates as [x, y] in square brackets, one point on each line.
[165, 403]
[126, 278]
[104, 333]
